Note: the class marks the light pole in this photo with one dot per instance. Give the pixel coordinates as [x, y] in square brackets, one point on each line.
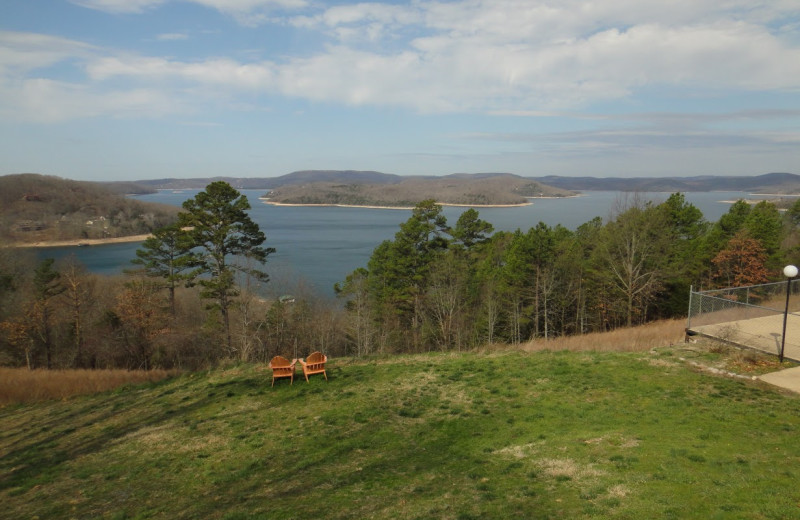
[789, 272]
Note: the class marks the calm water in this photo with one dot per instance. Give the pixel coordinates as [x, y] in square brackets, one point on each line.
[320, 246]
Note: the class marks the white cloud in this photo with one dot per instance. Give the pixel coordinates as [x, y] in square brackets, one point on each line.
[48, 101]
[172, 36]
[247, 12]
[119, 6]
[28, 51]
[212, 72]
[440, 74]
[498, 56]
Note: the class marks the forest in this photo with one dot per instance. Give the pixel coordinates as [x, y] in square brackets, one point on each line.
[198, 290]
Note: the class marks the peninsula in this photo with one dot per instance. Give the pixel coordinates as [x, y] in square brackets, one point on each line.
[42, 211]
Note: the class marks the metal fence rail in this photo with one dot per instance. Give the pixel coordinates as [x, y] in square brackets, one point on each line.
[751, 316]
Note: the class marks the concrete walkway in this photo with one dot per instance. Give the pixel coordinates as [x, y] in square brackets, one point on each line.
[762, 334]
[788, 379]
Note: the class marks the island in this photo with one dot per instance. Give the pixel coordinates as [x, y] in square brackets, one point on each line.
[498, 190]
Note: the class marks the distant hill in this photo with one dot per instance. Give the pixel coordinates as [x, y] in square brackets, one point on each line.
[778, 183]
[127, 188]
[459, 189]
[268, 183]
[37, 208]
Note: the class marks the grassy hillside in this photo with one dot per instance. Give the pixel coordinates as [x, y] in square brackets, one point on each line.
[475, 435]
[37, 208]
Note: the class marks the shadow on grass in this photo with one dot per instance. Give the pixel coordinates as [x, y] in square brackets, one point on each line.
[28, 463]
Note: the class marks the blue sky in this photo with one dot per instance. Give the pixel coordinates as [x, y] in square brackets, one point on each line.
[138, 89]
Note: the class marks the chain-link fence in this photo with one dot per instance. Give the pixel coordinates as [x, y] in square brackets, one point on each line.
[751, 316]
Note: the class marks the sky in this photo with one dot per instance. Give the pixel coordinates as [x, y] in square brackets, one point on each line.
[145, 89]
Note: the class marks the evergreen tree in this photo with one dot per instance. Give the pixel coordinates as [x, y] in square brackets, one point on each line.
[166, 255]
[765, 224]
[220, 230]
[470, 230]
[686, 255]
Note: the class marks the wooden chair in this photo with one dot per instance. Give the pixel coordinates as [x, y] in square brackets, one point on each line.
[282, 367]
[314, 364]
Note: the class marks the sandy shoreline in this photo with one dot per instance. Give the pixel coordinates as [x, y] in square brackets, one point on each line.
[82, 242]
[267, 201]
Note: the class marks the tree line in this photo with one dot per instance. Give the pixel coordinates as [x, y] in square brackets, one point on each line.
[198, 291]
[437, 286]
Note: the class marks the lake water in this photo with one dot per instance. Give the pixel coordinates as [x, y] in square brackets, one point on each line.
[319, 246]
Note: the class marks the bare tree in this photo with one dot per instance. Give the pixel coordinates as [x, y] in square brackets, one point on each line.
[143, 317]
[445, 298]
[79, 289]
[630, 252]
[360, 323]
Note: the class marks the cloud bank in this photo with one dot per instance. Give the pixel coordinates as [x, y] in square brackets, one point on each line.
[432, 57]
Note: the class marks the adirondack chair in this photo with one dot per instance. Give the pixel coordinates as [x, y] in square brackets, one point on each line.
[314, 364]
[282, 367]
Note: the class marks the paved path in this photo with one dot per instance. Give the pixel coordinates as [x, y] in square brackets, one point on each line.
[762, 334]
[789, 379]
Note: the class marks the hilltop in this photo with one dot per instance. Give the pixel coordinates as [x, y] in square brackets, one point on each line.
[497, 434]
[39, 208]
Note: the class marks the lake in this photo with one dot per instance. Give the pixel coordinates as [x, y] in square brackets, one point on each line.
[319, 246]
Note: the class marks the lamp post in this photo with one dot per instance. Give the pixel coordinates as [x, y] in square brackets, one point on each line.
[789, 272]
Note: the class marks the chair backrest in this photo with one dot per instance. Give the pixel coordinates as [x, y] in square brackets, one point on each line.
[316, 357]
[279, 361]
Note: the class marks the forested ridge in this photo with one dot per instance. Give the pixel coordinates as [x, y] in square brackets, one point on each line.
[39, 208]
[198, 291]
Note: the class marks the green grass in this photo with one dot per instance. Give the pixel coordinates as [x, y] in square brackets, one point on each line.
[503, 435]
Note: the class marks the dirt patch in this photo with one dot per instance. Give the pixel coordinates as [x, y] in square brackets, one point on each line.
[519, 452]
[568, 468]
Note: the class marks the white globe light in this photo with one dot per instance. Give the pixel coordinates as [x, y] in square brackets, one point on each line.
[790, 271]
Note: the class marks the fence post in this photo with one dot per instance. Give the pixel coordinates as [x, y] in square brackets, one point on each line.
[689, 319]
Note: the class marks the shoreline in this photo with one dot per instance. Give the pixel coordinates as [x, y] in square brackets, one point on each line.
[267, 201]
[749, 201]
[82, 242]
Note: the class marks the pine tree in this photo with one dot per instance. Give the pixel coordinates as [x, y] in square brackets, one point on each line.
[221, 230]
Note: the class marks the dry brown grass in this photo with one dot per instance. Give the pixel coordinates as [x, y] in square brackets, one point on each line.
[634, 339]
[19, 385]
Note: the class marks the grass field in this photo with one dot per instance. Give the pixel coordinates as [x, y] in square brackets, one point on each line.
[18, 385]
[502, 434]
